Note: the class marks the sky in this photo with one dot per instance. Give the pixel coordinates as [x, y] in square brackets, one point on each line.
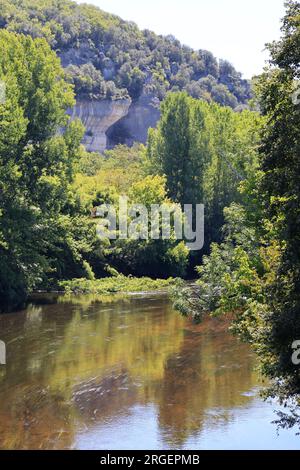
[235, 30]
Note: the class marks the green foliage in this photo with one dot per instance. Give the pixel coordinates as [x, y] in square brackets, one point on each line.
[169, 147]
[154, 257]
[114, 285]
[234, 140]
[89, 83]
[229, 274]
[205, 151]
[100, 178]
[254, 274]
[280, 324]
[271, 319]
[36, 167]
[107, 57]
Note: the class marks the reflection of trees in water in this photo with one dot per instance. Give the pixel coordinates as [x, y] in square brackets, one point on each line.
[136, 338]
[30, 416]
[57, 350]
[79, 365]
[203, 382]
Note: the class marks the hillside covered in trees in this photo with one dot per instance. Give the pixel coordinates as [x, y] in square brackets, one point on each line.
[106, 57]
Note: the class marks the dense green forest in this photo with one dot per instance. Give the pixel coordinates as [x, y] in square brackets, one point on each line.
[106, 57]
[243, 166]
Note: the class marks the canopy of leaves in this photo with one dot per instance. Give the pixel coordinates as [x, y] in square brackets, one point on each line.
[39, 234]
[205, 151]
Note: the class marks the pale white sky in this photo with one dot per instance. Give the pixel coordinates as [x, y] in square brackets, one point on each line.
[236, 30]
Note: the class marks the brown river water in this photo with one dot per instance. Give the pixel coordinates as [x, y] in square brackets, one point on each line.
[128, 374]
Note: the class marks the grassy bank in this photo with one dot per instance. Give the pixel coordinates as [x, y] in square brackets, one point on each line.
[118, 284]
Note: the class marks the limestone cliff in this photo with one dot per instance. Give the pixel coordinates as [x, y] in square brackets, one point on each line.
[142, 114]
[112, 122]
[98, 117]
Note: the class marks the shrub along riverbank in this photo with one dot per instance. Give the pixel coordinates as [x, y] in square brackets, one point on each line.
[118, 284]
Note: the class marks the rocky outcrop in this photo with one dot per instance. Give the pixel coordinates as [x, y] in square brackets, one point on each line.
[142, 114]
[112, 122]
[98, 117]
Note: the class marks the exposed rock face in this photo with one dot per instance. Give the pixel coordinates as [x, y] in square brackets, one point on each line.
[109, 123]
[98, 117]
[143, 114]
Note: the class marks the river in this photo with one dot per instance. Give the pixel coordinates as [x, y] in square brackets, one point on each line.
[128, 374]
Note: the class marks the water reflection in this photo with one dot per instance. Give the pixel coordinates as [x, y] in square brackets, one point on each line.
[89, 374]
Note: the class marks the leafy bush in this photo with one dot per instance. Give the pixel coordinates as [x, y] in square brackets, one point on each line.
[116, 284]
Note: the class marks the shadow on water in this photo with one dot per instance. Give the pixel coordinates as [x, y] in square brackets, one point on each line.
[126, 373]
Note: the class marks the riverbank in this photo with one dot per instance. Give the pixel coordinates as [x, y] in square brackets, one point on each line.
[115, 285]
